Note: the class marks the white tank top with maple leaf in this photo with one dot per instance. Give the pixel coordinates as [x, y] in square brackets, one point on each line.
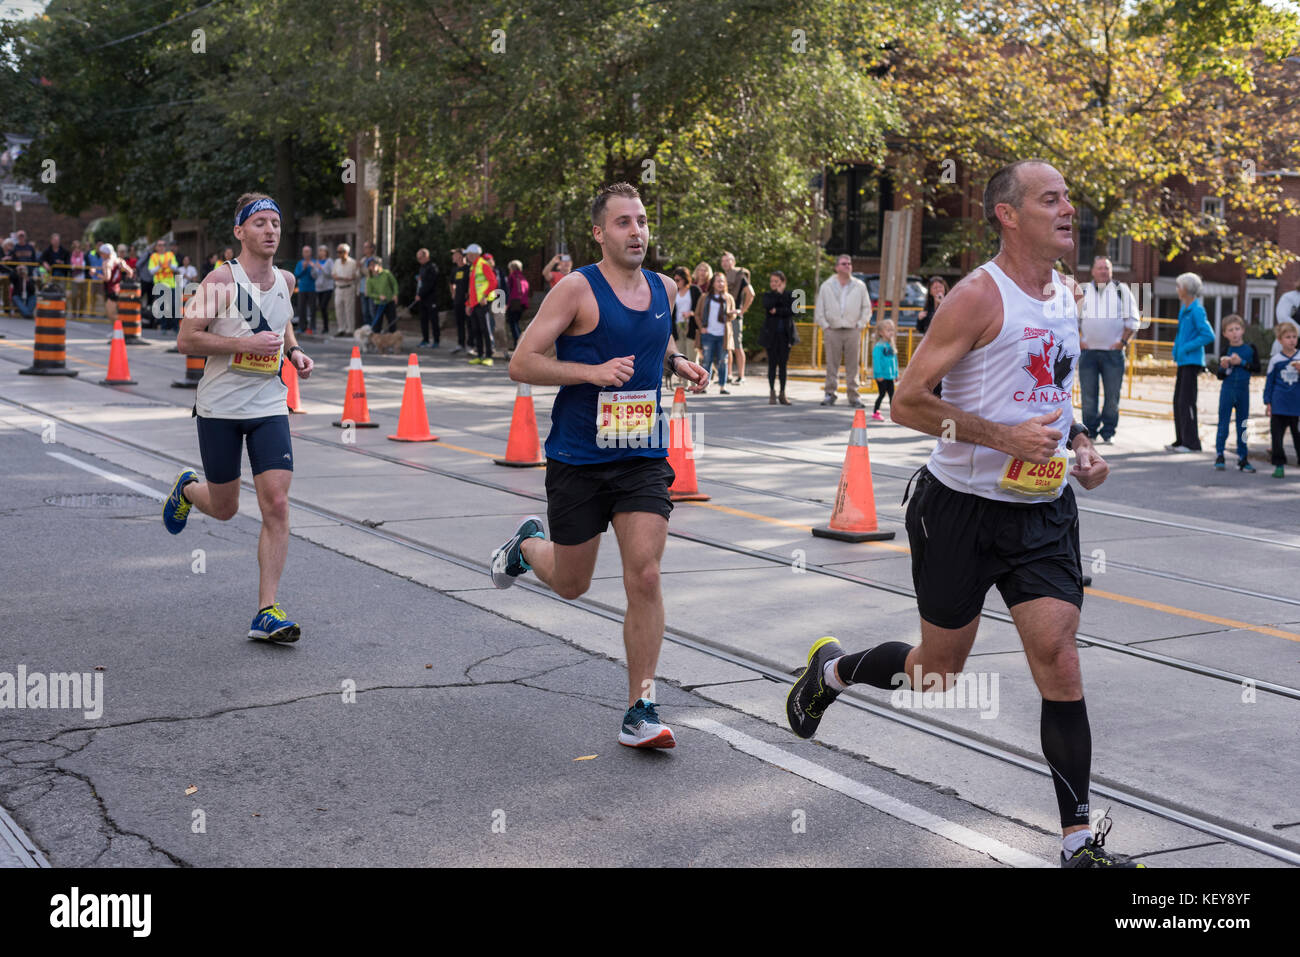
[1028, 370]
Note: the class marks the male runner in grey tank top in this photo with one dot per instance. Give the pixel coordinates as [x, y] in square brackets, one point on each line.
[992, 507]
[242, 321]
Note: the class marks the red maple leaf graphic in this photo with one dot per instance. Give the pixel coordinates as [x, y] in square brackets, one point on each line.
[1040, 366]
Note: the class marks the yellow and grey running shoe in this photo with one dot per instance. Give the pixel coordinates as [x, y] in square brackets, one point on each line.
[810, 696]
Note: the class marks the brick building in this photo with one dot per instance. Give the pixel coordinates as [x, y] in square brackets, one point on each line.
[857, 196]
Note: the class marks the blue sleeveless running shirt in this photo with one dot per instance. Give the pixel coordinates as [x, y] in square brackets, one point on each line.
[619, 332]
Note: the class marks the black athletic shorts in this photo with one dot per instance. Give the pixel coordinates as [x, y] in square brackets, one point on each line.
[962, 544]
[221, 445]
[581, 499]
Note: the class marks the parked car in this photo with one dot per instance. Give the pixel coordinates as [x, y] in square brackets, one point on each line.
[913, 296]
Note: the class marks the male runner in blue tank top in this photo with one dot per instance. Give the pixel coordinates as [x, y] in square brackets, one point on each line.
[611, 326]
[992, 506]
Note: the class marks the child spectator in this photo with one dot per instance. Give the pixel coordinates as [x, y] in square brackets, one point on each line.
[1235, 368]
[382, 288]
[1282, 395]
[884, 365]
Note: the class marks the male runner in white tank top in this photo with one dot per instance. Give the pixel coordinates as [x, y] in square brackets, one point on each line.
[242, 320]
[992, 506]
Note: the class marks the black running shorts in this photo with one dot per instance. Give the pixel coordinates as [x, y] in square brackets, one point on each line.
[962, 544]
[221, 444]
[581, 499]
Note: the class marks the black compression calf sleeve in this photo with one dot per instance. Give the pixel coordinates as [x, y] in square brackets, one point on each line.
[1067, 746]
[877, 666]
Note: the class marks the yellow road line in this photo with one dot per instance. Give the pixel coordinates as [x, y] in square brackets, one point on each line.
[1111, 596]
[741, 513]
[461, 448]
[27, 348]
[1186, 613]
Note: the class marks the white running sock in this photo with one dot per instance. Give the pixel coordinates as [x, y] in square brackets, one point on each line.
[1075, 840]
[831, 676]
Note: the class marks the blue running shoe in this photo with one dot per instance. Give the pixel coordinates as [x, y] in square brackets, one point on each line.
[272, 624]
[643, 729]
[508, 560]
[177, 507]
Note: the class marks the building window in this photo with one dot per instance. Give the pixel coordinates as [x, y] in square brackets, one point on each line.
[1087, 237]
[1260, 311]
[1118, 250]
[1120, 253]
[856, 200]
[1212, 207]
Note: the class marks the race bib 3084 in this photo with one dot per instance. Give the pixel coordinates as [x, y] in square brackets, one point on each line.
[246, 363]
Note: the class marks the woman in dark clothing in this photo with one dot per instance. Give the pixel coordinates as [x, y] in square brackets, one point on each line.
[937, 289]
[778, 335]
[934, 295]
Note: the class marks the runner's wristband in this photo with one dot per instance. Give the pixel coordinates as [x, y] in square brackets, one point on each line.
[672, 360]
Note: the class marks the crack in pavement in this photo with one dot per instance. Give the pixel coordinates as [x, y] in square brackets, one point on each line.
[501, 654]
[116, 830]
[109, 827]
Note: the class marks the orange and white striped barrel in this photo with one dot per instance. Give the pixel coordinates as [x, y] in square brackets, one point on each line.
[50, 353]
[128, 310]
[193, 373]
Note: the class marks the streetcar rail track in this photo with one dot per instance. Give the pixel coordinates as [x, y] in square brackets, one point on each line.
[1213, 826]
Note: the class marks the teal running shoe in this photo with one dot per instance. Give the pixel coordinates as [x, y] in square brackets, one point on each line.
[643, 729]
[507, 562]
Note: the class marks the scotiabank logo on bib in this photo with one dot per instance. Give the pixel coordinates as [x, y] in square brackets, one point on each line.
[1049, 366]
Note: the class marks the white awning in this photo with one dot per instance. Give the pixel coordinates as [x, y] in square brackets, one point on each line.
[1168, 286]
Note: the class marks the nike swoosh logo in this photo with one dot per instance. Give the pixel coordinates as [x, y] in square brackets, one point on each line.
[660, 315]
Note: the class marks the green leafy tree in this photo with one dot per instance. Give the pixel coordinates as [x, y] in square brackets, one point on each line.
[139, 119]
[1128, 117]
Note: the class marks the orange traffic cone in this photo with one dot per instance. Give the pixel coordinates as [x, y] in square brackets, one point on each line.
[289, 376]
[681, 453]
[119, 372]
[523, 448]
[853, 519]
[355, 408]
[413, 422]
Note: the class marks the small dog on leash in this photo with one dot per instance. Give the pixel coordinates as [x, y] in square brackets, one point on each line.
[388, 343]
[385, 343]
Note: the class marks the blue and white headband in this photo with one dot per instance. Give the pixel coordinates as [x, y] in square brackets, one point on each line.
[256, 206]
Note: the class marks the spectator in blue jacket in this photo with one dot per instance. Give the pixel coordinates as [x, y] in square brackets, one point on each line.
[1282, 394]
[1194, 334]
[304, 272]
